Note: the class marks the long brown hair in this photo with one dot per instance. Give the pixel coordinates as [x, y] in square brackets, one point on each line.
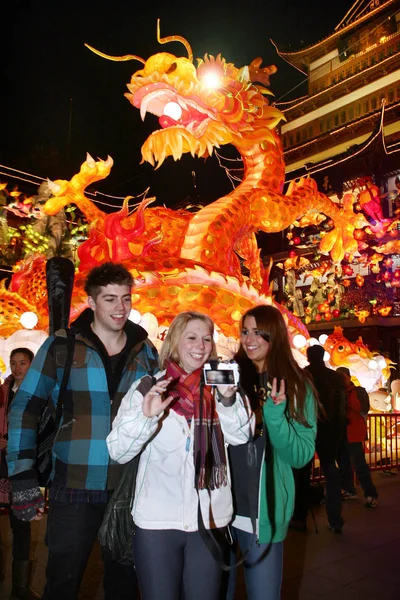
[279, 361]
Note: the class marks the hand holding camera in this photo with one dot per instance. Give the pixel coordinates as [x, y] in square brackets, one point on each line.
[225, 377]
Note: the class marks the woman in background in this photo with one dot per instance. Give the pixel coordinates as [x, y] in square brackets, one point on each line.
[20, 361]
[283, 400]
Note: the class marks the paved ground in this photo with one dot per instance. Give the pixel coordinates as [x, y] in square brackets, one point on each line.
[360, 564]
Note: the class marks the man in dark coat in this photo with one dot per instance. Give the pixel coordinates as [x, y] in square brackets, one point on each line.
[330, 430]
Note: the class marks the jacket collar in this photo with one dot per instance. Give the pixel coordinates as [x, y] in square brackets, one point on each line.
[82, 328]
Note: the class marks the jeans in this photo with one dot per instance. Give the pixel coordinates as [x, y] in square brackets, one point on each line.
[21, 543]
[172, 564]
[351, 456]
[262, 567]
[333, 496]
[302, 499]
[71, 532]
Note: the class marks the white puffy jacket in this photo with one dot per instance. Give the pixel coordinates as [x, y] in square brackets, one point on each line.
[165, 496]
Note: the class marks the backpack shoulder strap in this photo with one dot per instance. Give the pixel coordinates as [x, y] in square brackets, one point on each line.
[70, 344]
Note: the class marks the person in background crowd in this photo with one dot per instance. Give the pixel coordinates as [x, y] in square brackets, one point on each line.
[283, 400]
[20, 360]
[181, 428]
[110, 354]
[331, 429]
[352, 453]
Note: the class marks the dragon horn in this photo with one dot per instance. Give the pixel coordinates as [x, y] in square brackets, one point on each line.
[174, 38]
[116, 58]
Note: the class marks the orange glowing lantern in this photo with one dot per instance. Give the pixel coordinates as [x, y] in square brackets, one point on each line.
[385, 310]
[323, 307]
[359, 280]
[182, 259]
[361, 315]
[347, 270]
[346, 282]
[387, 276]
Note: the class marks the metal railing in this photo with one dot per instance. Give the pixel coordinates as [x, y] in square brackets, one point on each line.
[382, 449]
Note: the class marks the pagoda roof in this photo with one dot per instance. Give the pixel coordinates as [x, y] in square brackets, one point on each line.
[359, 13]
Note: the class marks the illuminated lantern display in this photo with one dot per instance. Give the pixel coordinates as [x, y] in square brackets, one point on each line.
[180, 259]
[369, 369]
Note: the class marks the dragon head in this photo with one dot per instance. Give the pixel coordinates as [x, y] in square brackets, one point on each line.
[201, 108]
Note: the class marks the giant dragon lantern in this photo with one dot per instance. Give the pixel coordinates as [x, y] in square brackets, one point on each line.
[182, 260]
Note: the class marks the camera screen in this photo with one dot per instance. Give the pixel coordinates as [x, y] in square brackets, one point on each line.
[219, 377]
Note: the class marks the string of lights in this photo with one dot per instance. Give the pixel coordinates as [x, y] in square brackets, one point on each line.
[93, 193]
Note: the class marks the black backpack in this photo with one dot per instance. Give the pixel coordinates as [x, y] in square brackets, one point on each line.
[48, 424]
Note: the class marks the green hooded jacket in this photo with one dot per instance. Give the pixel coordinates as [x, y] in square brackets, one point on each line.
[291, 445]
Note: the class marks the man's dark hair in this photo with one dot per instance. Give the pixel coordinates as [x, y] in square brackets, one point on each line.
[106, 274]
[343, 371]
[315, 354]
[28, 353]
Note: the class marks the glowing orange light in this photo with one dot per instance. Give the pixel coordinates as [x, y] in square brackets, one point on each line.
[359, 280]
[361, 315]
[385, 310]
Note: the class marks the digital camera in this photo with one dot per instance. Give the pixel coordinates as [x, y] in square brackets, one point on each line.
[221, 373]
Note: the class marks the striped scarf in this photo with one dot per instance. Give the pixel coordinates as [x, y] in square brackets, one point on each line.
[209, 448]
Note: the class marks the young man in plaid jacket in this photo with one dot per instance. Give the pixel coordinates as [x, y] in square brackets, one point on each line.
[110, 354]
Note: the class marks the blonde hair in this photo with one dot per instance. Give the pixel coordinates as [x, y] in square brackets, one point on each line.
[169, 349]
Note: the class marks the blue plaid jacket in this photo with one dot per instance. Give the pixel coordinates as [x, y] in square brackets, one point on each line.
[80, 455]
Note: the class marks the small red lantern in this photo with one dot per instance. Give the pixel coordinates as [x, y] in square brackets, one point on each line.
[359, 280]
[292, 254]
[323, 307]
[336, 313]
[296, 240]
[387, 276]
[347, 270]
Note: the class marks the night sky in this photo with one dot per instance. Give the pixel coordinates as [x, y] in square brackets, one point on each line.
[51, 79]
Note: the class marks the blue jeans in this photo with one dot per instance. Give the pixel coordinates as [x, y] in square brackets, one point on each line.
[71, 533]
[351, 456]
[172, 564]
[262, 567]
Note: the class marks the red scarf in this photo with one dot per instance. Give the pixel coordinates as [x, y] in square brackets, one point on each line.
[208, 446]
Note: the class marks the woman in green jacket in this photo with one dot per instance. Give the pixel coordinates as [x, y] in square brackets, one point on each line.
[283, 399]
